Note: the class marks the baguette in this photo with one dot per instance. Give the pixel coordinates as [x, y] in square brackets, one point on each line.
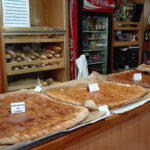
[31, 56]
[18, 59]
[16, 68]
[48, 55]
[49, 51]
[43, 56]
[49, 80]
[55, 47]
[8, 56]
[57, 55]
[34, 53]
[12, 53]
[28, 59]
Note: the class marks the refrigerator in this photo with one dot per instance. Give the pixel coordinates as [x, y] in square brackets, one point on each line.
[91, 33]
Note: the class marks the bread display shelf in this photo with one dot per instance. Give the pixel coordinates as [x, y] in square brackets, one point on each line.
[32, 29]
[28, 83]
[35, 40]
[10, 71]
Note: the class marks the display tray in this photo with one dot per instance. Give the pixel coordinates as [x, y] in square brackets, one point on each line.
[110, 93]
[127, 77]
[57, 63]
[93, 116]
[53, 116]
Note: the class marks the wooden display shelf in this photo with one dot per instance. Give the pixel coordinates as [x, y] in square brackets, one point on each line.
[37, 29]
[57, 66]
[10, 71]
[24, 84]
[137, 1]
[35, 40]
[126, 25]
[126, 43]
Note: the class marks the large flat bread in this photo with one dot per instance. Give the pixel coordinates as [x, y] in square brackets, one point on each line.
[127, 77]
[144, 68]
[43, 116]
[112, 94]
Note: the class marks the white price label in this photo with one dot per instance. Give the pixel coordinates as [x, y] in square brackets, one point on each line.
[104, 108]
[18, 107]
[38, 89]
[137, 76]
[93, 87]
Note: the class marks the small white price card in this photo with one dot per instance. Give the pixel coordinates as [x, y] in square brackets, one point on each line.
[38, 89]
[137, 76]
[104, 108]
[93, 87]
[18, 107]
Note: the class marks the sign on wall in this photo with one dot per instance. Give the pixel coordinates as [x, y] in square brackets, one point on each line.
[16, 13]
[99, 5]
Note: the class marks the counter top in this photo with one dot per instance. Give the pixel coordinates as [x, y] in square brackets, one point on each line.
[83, 134]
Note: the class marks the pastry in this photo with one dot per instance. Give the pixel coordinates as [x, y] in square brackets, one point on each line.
[42, 117]
[127, 77]
[112, 94]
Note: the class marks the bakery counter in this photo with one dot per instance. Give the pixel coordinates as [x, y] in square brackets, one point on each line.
[127, 131]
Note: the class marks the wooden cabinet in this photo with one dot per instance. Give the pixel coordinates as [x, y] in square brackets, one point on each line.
[131, 34]
[38, 51]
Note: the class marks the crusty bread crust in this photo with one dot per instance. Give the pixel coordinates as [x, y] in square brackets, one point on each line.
[144, 68]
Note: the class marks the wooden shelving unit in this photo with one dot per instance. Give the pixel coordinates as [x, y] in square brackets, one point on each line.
[48, 27]
[35, 40]
[131, 27]
[126, 43]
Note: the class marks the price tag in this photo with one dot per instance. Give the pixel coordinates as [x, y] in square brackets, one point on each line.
[38, 89]
[137, 76]
[17, 107]
[104, 108]
[93, 87]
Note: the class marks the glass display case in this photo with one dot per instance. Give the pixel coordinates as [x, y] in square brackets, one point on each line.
[95, 41]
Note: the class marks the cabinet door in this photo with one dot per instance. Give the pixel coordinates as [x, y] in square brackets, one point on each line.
[95, 42]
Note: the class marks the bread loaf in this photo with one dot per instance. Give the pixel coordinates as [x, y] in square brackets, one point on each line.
[12, 53]
[57, 55]
[49, 80]
[34, 53]
[18, 59]
[50, 51]
[15, 68]
[28, 59]
[43, 56]
[48, 55]
[31, 56]
[55, 47]
[90, 104]
[8, 56]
